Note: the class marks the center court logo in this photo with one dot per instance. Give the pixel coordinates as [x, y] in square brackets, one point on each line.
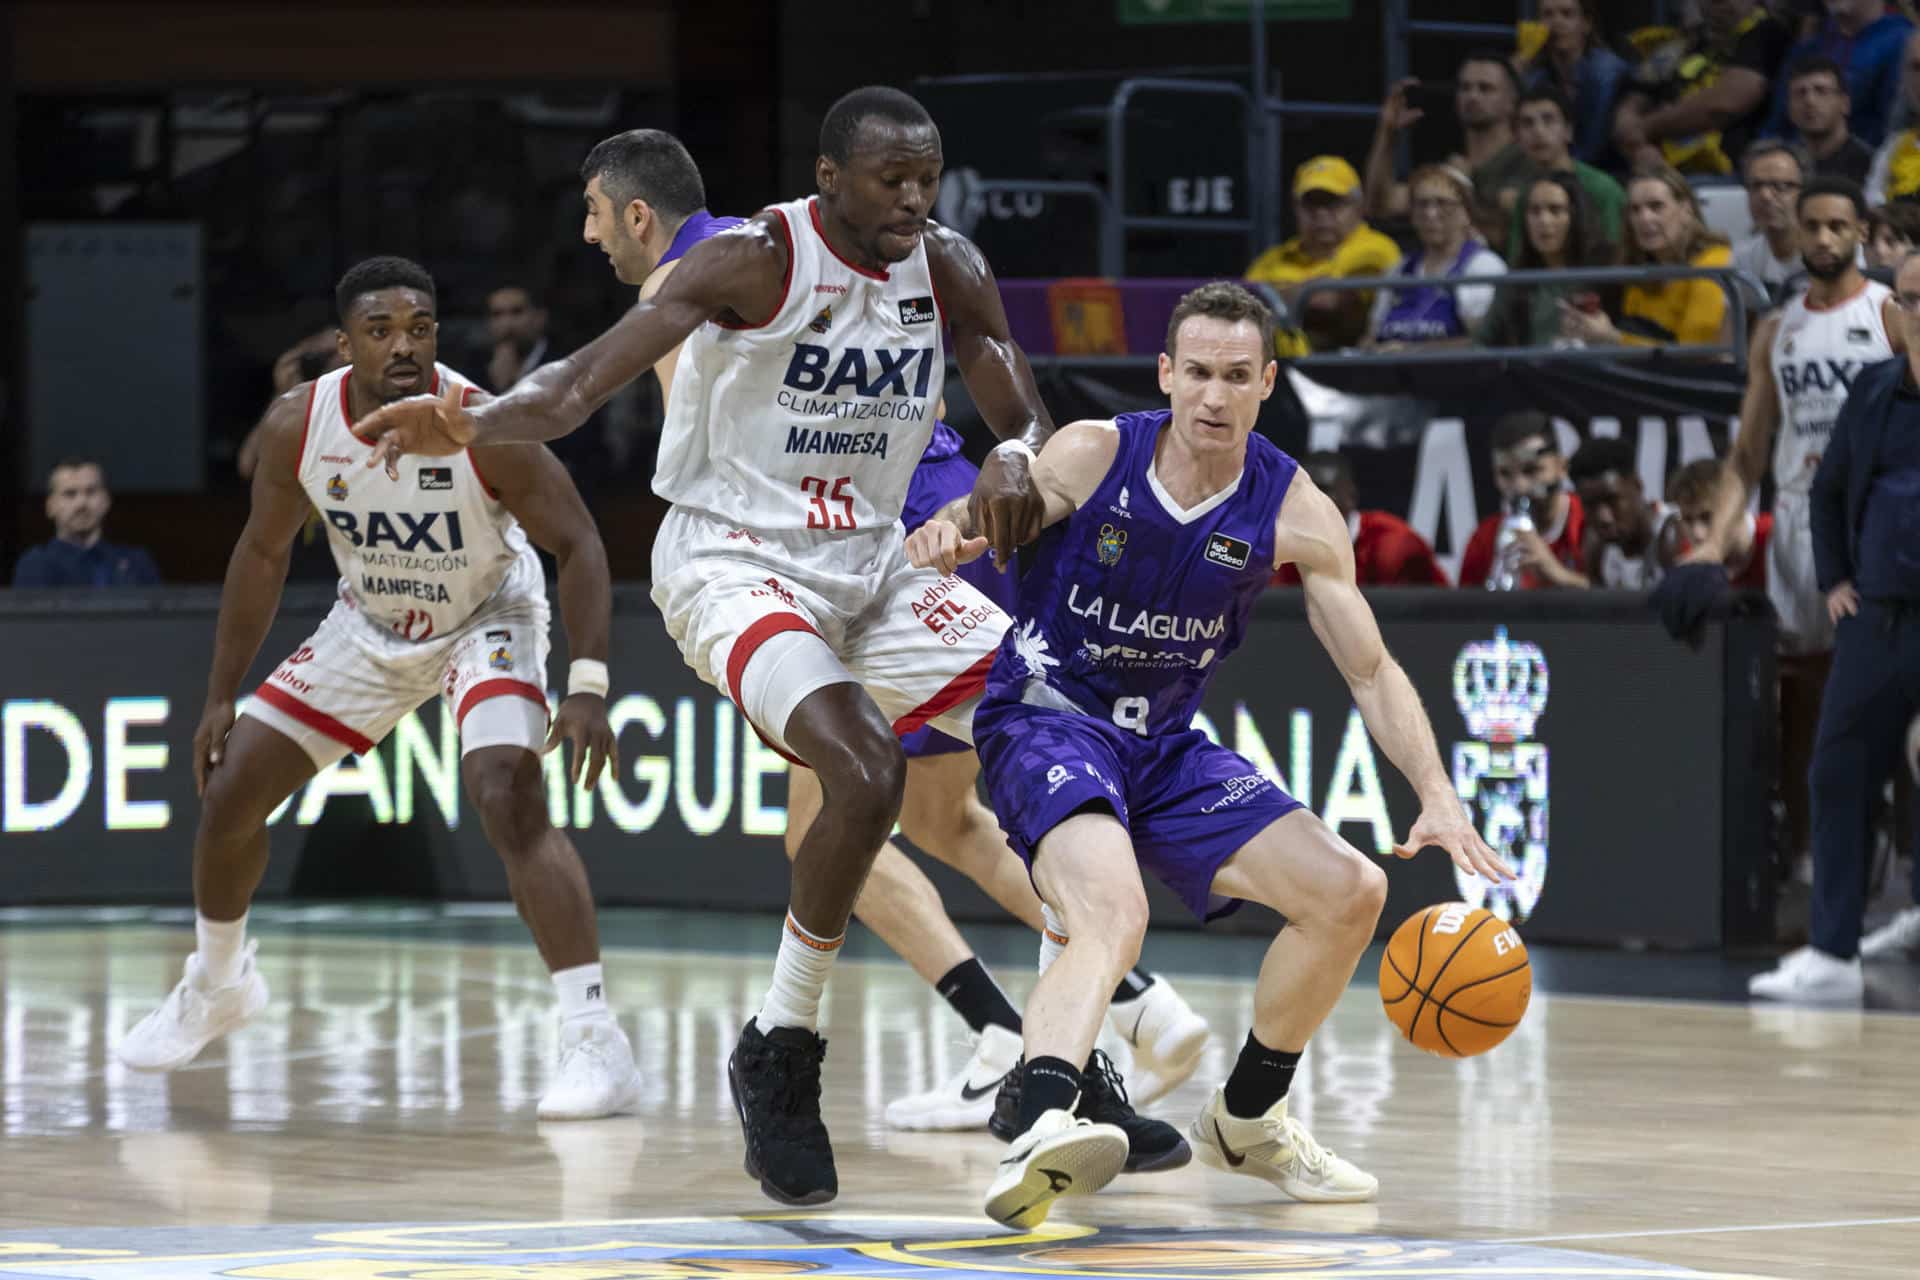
[1501, 689]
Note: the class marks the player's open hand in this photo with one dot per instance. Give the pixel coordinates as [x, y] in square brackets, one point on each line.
[1006, 506]
[434, 426]
[939, 544]
[1447, 825]
[1842, 602]
[210, 742]
[582, 720]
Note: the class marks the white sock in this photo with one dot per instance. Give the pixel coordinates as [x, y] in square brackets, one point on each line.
[1053, 937]
[799, 975]
[219, 944]
[583, 993]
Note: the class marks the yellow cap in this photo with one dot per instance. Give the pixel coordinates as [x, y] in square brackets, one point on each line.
[1330, 174]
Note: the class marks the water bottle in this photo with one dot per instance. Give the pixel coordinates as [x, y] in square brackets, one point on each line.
[1516, 518]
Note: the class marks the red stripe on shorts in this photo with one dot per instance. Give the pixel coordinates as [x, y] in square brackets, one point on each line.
[958, 690]
[499, 689]
[318, 721]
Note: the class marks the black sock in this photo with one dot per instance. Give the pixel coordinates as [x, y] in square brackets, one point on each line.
[1260, 1078]
[1048, 1084]
[1133, 986]
[975, 996]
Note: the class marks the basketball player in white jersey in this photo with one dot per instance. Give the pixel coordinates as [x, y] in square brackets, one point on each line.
[645, 208]
[1804, 358]
[803, 399]
[440, 594]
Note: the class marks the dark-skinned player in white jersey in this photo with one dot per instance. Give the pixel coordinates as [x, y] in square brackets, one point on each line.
[439, 594]
[792, 593]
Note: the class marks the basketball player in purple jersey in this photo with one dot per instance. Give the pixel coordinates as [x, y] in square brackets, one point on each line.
[645, 207]
[1162, 529]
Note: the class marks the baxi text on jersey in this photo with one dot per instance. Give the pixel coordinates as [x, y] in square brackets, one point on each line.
[1141, 622]
[436, 531]
[814, 440]
[904, 371]
[1797, 377]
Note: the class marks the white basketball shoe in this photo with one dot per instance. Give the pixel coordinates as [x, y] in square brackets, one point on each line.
[1166, 1038]
[1058, 1156]
[1812, 976]
[1278, 1148]
[1897, 939]
[596, 1077]
[966, 1100]
[194, 1015]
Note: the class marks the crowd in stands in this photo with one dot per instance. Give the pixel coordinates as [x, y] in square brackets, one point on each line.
[1585, 148]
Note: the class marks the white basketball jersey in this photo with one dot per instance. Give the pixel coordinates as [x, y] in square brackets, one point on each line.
[418, 556]
[816, 419]
[1816, 354]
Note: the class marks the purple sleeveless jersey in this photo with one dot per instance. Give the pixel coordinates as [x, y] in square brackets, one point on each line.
[942, 476]
[1130, 606]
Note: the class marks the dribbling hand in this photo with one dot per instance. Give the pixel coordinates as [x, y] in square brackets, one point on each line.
[433, 426]
[582, 721]
[1006, 507]
[939, 544]
[210, 742]
[1449, 828]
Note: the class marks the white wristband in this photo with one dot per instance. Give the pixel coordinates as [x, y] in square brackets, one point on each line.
[1019, 446]
[587, 675]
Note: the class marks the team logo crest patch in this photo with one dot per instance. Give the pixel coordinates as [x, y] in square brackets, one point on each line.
[916, 311]
[1110, 544]
[822, 322]
[1231, 552]
[500, 650]
[336, 488]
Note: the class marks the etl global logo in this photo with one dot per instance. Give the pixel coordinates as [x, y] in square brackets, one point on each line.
[1501, 689]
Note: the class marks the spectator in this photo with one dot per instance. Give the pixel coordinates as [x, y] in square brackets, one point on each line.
[517, 328]
[1432, 315]
[1629, 542]
[1386, 550]
[1697, 100]
[1896, 165]
[1692, 492]
[1817, 104]
[1666, 229]
[1577, 62]
[1332, 242]
[1484, 94]
[1560, 235]
[1545, 130]
[77, 503]
[1773, 172]
[1893, 231]
[1528, 468]
[1863, 40]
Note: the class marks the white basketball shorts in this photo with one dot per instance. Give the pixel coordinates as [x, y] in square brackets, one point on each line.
[1792, 585]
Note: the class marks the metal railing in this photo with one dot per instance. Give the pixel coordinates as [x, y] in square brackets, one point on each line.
[1114, 246]
[1743, 291]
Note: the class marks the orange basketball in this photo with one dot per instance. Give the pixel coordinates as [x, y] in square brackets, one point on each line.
[1455, 979]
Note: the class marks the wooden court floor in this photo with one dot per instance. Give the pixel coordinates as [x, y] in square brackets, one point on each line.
[378, 1122]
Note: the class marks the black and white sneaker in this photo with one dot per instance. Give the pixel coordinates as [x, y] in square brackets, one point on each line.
[775, 1082]
[1152, 1145]
[1058, 1156]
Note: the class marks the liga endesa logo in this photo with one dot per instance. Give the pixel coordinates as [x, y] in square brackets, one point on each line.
[1501, 689]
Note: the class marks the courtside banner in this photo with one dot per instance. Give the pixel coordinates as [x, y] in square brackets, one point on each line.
[1613, 766]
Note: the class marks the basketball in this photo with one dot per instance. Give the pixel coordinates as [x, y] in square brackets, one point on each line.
[1455, 980]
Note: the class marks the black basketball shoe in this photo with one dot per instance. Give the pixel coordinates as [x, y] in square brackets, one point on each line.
[1152, 1145]
[775, 1082]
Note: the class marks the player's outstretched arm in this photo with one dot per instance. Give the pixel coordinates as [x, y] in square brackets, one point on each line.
[1001, 383]
[256, 571]
[741, 274]
[533, 485]
[1747, 461]
[1065, 474]
[1311, 534]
